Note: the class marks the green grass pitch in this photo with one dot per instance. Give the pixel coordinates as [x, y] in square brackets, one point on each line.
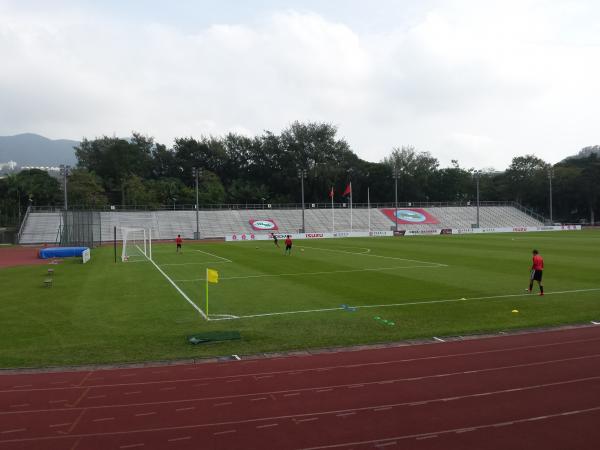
[103, 312]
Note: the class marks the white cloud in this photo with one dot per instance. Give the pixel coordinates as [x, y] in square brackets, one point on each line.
[475, 81]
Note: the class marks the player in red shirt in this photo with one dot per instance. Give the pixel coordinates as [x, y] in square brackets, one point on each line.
[537, 268]
[178, 241]
[288, 245]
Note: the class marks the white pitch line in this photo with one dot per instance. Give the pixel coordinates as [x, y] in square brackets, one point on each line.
[183, 294]
[390, 305]
[324, 272]
[212, 254]
[222, 317]
[193, 263]
[366, 249]
[375, 256]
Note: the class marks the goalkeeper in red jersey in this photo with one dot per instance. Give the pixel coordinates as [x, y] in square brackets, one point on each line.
[537, 269]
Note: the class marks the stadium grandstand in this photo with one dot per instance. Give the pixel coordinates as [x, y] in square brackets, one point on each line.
[45, 226]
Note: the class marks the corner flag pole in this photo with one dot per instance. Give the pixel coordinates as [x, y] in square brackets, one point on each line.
[207, 292]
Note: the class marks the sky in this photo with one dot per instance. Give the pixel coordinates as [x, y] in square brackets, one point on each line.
[478, 81]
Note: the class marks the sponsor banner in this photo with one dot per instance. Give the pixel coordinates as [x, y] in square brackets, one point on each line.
[462, 230]
[263, 224]
[480, 230]
[516, 229]
[423, 232]
[409, 216]
[381, 233]
[242, 237]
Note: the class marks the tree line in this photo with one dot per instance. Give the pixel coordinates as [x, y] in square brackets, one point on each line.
[264, 169]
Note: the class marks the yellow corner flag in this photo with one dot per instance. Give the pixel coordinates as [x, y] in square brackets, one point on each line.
[212, 276]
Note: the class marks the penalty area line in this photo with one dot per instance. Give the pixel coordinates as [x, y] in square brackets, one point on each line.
[392, 305]
[212, 254]
[367, 254]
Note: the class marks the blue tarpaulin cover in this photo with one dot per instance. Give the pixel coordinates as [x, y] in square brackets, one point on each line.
[61, 252]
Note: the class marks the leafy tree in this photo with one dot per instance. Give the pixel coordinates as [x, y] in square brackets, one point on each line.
[85, 189]
[210, 189]
[115, 159]
[164, 163]
[588, 183]
[38, 187]
[417, 171]
[136, 193]
[526, 179]
[10, 199]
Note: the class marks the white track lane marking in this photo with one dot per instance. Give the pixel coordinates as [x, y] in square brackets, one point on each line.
[451, 431]
[14, 430]
[294, 418]
[185, 438]
[320, 389]
[316, 369]
[224, 432]
[395, 305]
[268, 425]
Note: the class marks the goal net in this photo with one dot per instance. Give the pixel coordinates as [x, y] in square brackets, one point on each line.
[137, 244]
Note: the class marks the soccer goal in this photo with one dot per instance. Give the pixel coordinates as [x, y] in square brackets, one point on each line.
[137, 244]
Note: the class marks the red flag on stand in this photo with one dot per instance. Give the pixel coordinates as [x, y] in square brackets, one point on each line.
[331, 192]
[348, 190]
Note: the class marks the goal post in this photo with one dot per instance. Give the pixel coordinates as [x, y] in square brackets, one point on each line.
[136, 245]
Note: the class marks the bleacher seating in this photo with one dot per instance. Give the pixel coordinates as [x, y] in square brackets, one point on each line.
[43, 227]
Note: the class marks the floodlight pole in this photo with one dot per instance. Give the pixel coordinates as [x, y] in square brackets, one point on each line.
[396, 175]
[302, 173]
[550, 175]
[477, 175]
[197, 171]
[64, 170]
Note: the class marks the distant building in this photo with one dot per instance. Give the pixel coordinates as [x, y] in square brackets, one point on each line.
[8, 167]
[48, 169]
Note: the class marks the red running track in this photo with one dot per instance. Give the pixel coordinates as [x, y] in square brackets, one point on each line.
[528, 391]
[20, 256]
